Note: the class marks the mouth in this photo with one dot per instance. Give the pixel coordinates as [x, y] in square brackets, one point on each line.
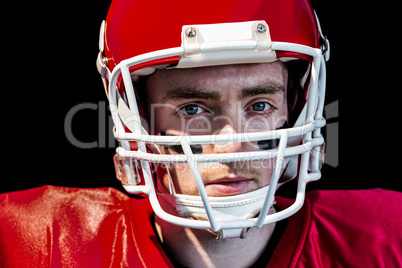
[228, 186]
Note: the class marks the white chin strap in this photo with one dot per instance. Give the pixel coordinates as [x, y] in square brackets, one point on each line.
[236, 207]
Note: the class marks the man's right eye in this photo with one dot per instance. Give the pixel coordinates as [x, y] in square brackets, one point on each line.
[190, 109]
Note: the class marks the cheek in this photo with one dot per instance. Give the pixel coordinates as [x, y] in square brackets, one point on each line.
[182, 179]
[266, 123]
[198, 126]
[266, 168]
[258, 123]
[162, 118]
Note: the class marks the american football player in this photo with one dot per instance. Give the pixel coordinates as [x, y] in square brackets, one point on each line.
[216, 104]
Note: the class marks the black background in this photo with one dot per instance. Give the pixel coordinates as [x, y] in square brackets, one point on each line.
[49, 52]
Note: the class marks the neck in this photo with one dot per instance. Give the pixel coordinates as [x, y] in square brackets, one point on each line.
[195, 248]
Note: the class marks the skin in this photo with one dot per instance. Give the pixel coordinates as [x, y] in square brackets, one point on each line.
[216, 100]
[219, 100]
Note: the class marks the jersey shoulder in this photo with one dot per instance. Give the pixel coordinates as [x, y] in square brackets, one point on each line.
[50, 225]
[353, 228]
[59, 195]
[70, 227]
[33, 208]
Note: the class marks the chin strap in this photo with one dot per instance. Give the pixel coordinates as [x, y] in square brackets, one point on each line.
[236, 207]
[229, 233]
[232, 233]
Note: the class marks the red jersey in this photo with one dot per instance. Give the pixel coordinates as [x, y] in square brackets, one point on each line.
[65, 227]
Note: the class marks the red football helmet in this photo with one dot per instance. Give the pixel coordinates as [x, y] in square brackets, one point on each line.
[140, 36]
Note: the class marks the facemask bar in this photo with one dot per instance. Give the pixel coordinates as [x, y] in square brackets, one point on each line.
[310, 131]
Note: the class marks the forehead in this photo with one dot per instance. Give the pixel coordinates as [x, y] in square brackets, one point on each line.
[220, 77]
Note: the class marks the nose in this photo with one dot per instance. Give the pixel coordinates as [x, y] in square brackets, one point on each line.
[227, 147]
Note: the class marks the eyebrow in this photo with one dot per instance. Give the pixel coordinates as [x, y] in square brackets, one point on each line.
[190, 93]
[269, 89]
[193, 93]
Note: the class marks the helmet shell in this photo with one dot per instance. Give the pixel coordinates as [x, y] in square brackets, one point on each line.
[135, 27]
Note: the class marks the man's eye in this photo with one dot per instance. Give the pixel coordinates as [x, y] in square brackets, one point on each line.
[260, 106]
[191, 109]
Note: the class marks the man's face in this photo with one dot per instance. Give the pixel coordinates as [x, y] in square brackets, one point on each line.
[218, 100]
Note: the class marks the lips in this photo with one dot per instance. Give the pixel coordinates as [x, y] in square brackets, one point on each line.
[228, 186]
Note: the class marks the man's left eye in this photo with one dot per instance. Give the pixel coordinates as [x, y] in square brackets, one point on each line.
[260, 106]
